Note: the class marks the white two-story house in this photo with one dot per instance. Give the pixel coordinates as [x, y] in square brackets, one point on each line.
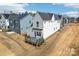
[44, 25]
[4, 22]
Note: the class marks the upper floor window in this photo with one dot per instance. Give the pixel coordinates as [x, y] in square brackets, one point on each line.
[22, 28]
[3, 21]
[30, 22]
[37, 24]
[16, 21]
[0, 16]
[54, 28]
[11, 21]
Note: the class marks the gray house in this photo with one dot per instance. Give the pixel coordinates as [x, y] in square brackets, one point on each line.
[14, 23]
[26, 24]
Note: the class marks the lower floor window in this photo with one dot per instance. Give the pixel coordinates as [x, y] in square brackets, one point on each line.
[38, 33]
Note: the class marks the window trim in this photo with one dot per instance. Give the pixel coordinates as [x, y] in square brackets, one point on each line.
[38, 33]
[37, 24]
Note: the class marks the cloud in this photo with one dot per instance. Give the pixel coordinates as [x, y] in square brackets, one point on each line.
[13, 7]
[72, 14]
[56, 3]
[31, 11]
[74, 5]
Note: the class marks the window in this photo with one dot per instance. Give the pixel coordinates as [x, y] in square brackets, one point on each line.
[21, 28]
[12, 27]
[50, 21]
[37, 24]
[3, 21]
[38, 33]
[8, 27]
[0, 16]
[30, 22]
[54, 28]
[3, 24]
[16, 21]
[11, 21]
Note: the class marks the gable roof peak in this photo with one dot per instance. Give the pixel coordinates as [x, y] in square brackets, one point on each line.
[45, 16]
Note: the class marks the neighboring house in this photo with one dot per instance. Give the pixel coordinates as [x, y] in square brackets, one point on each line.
[14, 23]
[37, 26]
[77, 19]
[44, 25]
[20, 23]
[4, 21]
[71, 19]
[26, 24]
[64, 21]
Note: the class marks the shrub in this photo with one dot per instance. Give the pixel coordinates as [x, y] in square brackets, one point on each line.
[39, 41]
[5, 30]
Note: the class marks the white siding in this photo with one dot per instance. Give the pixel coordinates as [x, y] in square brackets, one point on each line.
[7, 22]
[4, 23]
[39, 19]
[2, 17]
[30, 32]
[50, 27]
[36, 19]
[53, 18]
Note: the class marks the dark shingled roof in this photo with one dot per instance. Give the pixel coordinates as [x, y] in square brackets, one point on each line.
[14, 17]
[32, 14]
[17, 16]
[6, 16]
[21, 15]
[58, 17]
[45, 16]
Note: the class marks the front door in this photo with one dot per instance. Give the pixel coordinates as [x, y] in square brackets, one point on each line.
[35, 34]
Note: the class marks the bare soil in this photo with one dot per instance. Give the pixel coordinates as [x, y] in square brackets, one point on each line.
[58, 44]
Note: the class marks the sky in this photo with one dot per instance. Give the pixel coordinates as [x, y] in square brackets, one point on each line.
[52, 7]
[58, 8]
